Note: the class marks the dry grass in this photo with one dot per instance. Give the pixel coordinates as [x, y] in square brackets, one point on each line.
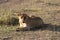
[48, 10]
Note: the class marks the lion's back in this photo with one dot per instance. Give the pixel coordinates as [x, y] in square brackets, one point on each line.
[35, 21]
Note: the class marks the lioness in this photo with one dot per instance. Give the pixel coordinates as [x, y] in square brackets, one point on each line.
[28, 22]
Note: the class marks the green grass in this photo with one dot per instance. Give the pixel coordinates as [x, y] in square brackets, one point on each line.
[6, 29]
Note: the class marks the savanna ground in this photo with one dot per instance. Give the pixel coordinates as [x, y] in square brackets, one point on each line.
[48, 10]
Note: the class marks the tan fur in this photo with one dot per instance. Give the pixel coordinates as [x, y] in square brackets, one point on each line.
[29, 21]
[22, 25]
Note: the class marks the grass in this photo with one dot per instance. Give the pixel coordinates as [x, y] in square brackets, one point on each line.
[6, 29]
[5, 17]
[42, 8]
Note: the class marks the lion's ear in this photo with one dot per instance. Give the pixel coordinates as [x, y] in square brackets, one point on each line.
[19, 14]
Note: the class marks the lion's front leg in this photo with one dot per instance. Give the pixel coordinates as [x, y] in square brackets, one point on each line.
[23, 26]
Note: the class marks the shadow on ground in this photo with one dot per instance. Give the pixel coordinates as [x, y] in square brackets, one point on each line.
[49, 27]
[44, 26]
